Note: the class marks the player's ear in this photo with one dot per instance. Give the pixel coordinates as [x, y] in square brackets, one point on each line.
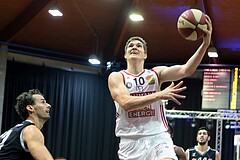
[125, 55]
[30, 108]
[145, 55]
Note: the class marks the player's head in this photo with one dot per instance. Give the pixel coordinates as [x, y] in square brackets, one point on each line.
[139, 39]
[203, 135]
[24, 99]
[206, 129]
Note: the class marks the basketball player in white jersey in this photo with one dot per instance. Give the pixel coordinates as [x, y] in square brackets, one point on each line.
[141, 122]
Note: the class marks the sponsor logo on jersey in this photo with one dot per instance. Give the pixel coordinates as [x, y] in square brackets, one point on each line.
[144, 112]
[142, 93]
[139, 88]
[128, 85]
[194, 154]
[150, 79]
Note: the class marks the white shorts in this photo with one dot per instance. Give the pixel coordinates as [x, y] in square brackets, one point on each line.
[147, 148]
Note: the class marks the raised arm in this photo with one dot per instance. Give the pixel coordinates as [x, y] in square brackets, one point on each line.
[120, 93]
[34, 139]
[177, 72]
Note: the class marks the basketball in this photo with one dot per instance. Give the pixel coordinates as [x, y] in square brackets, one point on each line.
[190, 24]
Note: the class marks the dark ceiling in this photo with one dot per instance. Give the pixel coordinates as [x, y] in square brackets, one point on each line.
[103, 26]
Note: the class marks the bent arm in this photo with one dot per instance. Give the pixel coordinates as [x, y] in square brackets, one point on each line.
[120, 93]
[35, 143]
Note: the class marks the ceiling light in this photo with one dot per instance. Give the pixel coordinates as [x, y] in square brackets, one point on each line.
[54, 10]
[212, 52]
[136, 17]
[93, 59]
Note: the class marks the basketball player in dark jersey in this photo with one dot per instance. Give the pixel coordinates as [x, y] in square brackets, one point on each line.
[25, 141]
[202, 151]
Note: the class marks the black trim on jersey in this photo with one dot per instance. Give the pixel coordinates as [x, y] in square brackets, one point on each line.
[10, 145]
[209, 154]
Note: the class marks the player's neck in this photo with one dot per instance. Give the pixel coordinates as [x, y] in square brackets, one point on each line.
[135, 68]
[38, 123]
[202, 148]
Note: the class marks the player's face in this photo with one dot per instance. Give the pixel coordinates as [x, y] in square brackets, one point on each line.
[202, 137]
[135, 49]
[41, 107]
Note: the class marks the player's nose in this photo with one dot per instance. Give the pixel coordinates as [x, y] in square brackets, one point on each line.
[49, 105]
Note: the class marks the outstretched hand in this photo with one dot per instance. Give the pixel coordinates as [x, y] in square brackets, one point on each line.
[171, 92]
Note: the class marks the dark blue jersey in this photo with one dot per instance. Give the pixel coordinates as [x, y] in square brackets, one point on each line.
[210, 154]
[10, 144]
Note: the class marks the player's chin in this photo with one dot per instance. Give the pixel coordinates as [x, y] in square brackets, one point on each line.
[47, 117]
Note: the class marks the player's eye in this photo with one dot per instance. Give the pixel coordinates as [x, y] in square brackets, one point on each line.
[44, 101]
[130, 45]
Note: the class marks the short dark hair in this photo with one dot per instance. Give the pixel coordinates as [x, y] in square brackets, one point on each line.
[24, 99]
[205, 128]
[139, 39]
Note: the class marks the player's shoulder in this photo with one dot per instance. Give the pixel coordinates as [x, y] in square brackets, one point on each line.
[31, 129]
[178, 148]
[114, 74]
[191, 149]
[212, 149]
[115, 77]
[31, 132]
[160, 69]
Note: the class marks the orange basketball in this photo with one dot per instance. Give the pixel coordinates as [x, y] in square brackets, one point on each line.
[191, 23]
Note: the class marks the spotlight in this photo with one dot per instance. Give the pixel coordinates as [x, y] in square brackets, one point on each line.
[113, 65]
[193, 123]
[227, 125]
[171, 122]
[209, 123]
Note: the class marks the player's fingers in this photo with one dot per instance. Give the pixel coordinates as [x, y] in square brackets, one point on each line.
[178, 85]
[209, 23]
[208, 18]
[178, 96]
[180, 89]
[172, 84]
[176, 101]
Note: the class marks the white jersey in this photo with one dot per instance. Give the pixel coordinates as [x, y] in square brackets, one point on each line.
[145, 121]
